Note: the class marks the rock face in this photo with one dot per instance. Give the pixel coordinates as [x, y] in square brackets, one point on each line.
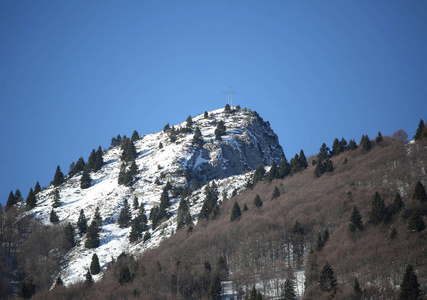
[248, 142]
[170, 156]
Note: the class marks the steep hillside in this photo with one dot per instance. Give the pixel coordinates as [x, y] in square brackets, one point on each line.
[287, 235]
[168, 156]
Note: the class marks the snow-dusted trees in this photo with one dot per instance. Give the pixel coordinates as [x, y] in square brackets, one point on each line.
[139, 225]
[58, 179]
[125, 215]
[94, 265]
[82, 223]
[31, 199]
[92, 235]
[220, 130]
[85, 180]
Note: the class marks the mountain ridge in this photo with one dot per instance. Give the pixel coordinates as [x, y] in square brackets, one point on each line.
[160, 158]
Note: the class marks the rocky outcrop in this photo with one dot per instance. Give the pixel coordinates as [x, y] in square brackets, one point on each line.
[249, 142]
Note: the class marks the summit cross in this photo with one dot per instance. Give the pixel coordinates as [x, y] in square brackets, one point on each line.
[229, 93]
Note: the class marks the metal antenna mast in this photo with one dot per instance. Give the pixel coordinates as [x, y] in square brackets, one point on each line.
[229, 93]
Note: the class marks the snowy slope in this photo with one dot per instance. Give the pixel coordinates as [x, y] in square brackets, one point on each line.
[247, 142]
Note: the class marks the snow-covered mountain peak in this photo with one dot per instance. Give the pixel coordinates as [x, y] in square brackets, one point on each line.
[172, 155]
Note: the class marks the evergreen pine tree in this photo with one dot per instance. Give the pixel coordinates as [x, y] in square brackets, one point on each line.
[215, 212]
[419, 192]
[302, 160]
[227, 108]
[352, 145]
[258, 174]
[135, 136]
[211, 199]
[78, 167]
[336, 147]
[189, 122]
[276, 193]
[128, 150]
[365, 143]
[206, 115]
[56, 198]
[92, 235]
[288, 292]
[164, 202]
[378, 211]
[27, 289]
[154, 217]
[416, 222]
[257, 201]
[94, 265]
[85, 180]
[273, 173]
[295, 165]
[183, 214]
[343, 145]
[166, 128]
[253, 293]
[91, 160]
[393, 233]
[31, 199]
[37, 188]
[327, 281]
[122, 173]
[197, 138]
[97, 216]
[409, 287]
[235, 212]
[58, 179]
[125, 215]
[220, 130]
[11, 201]
[125, 275]
[82, 223]
[99, 160]
[357, 291]
[379, 138]
[356, 221]
[285, 168]
[70, 234]
[133, 170]
[18, 196]
[245, 207]
[53, 217]
[421, 131]
[135, 203]
[398, 204]
[88, 278]
[323, 152]
[59, 282]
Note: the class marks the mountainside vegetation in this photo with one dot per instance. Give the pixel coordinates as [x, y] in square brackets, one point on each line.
[350, 230]
[348, 223]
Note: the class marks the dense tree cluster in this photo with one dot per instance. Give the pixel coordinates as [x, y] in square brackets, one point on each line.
[323, 163]
[183, 214]
[116, 141]
[125, 215]
[210, 208]
[139, 225]
[220, 130]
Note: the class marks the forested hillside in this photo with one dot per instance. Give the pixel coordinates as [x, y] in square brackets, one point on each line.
[348, 223]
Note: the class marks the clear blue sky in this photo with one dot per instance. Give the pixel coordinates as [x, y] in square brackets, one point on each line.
[73, 74]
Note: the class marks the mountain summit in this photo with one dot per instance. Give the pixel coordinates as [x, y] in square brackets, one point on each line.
[214, 146]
